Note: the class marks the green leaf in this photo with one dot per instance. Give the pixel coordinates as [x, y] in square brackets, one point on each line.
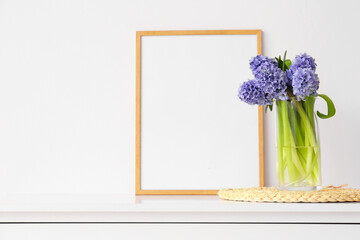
[330, 106]
[268, 107]
[283, 65]
[287, 63]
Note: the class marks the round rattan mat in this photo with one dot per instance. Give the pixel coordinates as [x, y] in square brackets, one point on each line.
[271, 194]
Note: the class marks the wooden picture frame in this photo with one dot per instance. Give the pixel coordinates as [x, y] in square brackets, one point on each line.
[138, 179]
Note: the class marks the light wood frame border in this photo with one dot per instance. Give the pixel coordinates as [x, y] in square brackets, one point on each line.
[139, 34]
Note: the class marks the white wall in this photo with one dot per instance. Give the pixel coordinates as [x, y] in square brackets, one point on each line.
[67, 83]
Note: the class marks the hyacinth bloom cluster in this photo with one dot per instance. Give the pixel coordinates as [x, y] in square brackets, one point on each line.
[302, 61]
[252, 93]
[273, 83]
[305, 82]
[302, 76]
[270, 82]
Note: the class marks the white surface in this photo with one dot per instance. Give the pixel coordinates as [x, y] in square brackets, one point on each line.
[177, 231]
[128, 208]
[195, 132]
[67, 83]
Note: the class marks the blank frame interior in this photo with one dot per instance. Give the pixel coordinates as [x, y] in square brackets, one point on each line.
[193, 134]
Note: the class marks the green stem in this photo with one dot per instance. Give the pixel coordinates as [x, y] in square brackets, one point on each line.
[294, 165]
[280, 143]
[308, 128]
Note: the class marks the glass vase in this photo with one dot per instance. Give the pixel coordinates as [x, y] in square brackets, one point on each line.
[298, 145]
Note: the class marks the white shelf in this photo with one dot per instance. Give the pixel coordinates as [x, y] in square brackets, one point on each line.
[129, 208]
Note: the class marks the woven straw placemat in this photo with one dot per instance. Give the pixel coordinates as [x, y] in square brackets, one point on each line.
[271, 194]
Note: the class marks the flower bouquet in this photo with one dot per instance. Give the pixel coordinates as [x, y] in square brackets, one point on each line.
[292, 87]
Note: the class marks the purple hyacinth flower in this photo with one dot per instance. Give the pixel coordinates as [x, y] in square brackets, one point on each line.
[272, 80]
[252, 93]
[259, 60]
[305, 82]
[301, 61]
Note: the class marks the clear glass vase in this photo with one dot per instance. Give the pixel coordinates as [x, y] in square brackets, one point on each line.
[298, 145]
